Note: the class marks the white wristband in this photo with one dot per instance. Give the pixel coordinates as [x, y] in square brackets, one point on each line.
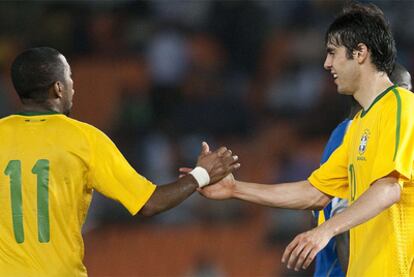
[201, 176]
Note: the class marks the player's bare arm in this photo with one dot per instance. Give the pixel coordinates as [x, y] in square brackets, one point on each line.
[218, 164]
[295, 195]
[302, 250]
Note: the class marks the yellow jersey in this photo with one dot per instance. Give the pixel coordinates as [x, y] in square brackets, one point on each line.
[380, 141]
[49, 166]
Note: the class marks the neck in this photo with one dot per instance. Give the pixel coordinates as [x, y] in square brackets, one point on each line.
[370, 87]
[32, 106]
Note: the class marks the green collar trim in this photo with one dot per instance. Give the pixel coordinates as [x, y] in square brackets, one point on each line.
[32, 113]
[363, 113]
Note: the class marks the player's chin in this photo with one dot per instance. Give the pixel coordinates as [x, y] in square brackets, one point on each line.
[67, 111]
[343, 91]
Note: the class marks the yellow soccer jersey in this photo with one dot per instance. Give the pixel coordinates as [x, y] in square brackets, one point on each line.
[49, 166]
[379, 141]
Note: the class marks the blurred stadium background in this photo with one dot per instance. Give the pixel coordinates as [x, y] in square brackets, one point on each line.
[161, 76]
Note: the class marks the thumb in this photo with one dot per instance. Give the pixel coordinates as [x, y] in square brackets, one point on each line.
[205, 149]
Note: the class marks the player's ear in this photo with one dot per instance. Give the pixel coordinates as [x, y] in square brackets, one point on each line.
[57, 89]
[361, 53]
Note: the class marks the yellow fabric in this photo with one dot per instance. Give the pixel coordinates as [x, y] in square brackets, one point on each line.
[321, 218]
[81, 159]
[378, 143]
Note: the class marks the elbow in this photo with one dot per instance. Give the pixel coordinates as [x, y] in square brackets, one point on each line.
[145, 211]
[149, 210]
[392, 193]
[315, 199]
[321, 202]
[318, 200]
[153, 205]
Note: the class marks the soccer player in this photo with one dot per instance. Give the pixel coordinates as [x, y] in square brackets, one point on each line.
[373, 167]
[333, 259]
[50, 164]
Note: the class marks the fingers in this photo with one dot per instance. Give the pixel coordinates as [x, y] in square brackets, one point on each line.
[291, 252]
[218, 164]
[229, 159]
[288, 250]
[302, 257]
[203, 192]
[310, 258]
[227, 156]
[220, 152]
[184, 169]
[234, 167]
[300, 253]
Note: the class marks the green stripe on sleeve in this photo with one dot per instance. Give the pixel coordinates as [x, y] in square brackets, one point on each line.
[397, 131]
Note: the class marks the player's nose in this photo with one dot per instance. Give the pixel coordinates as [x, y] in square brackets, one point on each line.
[328, 63]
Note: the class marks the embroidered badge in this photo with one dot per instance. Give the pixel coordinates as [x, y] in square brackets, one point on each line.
[363, 143]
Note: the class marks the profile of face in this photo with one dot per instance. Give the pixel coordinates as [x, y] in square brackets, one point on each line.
[344, 70]
[66, 90]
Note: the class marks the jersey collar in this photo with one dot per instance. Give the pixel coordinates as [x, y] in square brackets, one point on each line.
[33, 113]
[364, 112]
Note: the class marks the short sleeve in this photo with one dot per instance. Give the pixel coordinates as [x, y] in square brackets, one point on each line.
[332, 177]
[396, 141]
[114, 177]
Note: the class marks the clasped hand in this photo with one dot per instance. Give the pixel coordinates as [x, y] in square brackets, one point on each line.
[219, 163]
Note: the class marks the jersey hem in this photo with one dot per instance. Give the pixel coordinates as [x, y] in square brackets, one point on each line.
[145, 197]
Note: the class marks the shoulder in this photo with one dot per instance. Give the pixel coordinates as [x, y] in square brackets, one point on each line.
[80, 125]
[397, 111]
[93, 134]
[398, 101]
[400, 96]
[85, 130]
[401, 102]
[7, 119]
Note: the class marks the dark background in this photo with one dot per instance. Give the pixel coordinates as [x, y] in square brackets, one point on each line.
[159, 77]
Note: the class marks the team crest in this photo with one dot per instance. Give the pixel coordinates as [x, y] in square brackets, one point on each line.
[363, 143]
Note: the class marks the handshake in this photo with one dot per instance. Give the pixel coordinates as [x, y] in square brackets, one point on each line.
[213, 172]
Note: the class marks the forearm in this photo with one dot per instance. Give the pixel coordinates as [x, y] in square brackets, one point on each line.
[381, 195]
[169, 195]
[297, 195]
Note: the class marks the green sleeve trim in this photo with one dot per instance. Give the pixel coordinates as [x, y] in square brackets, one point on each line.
[398, 129]
[363, 113]
[32, 113]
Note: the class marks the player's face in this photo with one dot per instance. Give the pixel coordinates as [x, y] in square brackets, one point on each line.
[344, 70]
[68, 90]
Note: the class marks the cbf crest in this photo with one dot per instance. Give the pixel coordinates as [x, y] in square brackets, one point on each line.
[364, 142]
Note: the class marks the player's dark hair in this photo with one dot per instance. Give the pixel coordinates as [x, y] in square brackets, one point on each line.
[364, 23]
[35, 70]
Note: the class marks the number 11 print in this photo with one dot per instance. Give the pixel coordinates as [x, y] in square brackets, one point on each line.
[14, 171]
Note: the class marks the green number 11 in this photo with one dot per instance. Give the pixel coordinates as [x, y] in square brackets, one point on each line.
[41, 169]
